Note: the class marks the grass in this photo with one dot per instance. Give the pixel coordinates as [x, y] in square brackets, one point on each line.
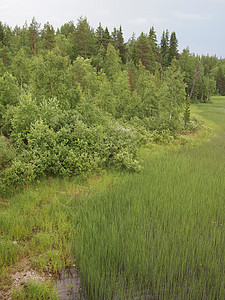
[37, 224]
[159, 233]
[35, 291]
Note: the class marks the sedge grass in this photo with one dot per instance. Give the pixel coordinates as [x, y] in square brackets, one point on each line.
[160, 233]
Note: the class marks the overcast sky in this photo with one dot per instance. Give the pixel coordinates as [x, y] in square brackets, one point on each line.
[199, 24]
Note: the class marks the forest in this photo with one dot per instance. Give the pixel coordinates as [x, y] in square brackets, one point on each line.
[77, 99]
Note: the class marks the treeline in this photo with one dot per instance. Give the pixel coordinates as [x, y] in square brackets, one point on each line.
[79, 99]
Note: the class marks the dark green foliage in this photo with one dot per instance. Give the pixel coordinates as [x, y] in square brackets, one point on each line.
[173, 51]
[164, 49]
[220, 82]
[118, 43]
[106, 38]
[154, 44]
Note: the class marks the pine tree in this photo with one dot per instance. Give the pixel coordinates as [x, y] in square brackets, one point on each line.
[132, 50]
[144, 52]
[99, 34]
[48, 36]
[132, 73]
[85, 38]
[67, 28]
[33, 31]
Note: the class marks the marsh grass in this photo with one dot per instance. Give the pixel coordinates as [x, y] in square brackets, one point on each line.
[160, 233]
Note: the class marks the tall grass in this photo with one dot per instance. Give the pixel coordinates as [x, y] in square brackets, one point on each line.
[161, 233]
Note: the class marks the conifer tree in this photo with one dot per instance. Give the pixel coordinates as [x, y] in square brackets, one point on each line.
[99, 34]
[144, 52]
[118, 42]
[34, 33]
[132, 50]
[173, 51]
[132, 74]
[220, 82]
[48, 36]
[85, 39]
[164, 49]
[121, 45]
[154, 43]
[67, 28]
[106, 38]
[1, 34]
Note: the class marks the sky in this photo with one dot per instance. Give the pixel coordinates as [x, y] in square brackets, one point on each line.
[199, 24]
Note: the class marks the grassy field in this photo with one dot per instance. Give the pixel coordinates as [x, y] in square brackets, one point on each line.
[156, 234]
[159, 234]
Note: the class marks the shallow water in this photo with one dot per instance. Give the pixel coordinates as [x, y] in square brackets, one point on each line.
[68, 285]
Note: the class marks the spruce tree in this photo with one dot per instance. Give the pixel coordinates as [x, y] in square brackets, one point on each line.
[220, 82]
[1, 34]
[106, 38]
[173, 51]
[164, 49]
[118, 43]
[153, 43]
[121, 45]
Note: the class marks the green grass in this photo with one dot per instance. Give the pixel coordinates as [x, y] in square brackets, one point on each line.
[161, 232]
[38, 224]
[35, 291]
